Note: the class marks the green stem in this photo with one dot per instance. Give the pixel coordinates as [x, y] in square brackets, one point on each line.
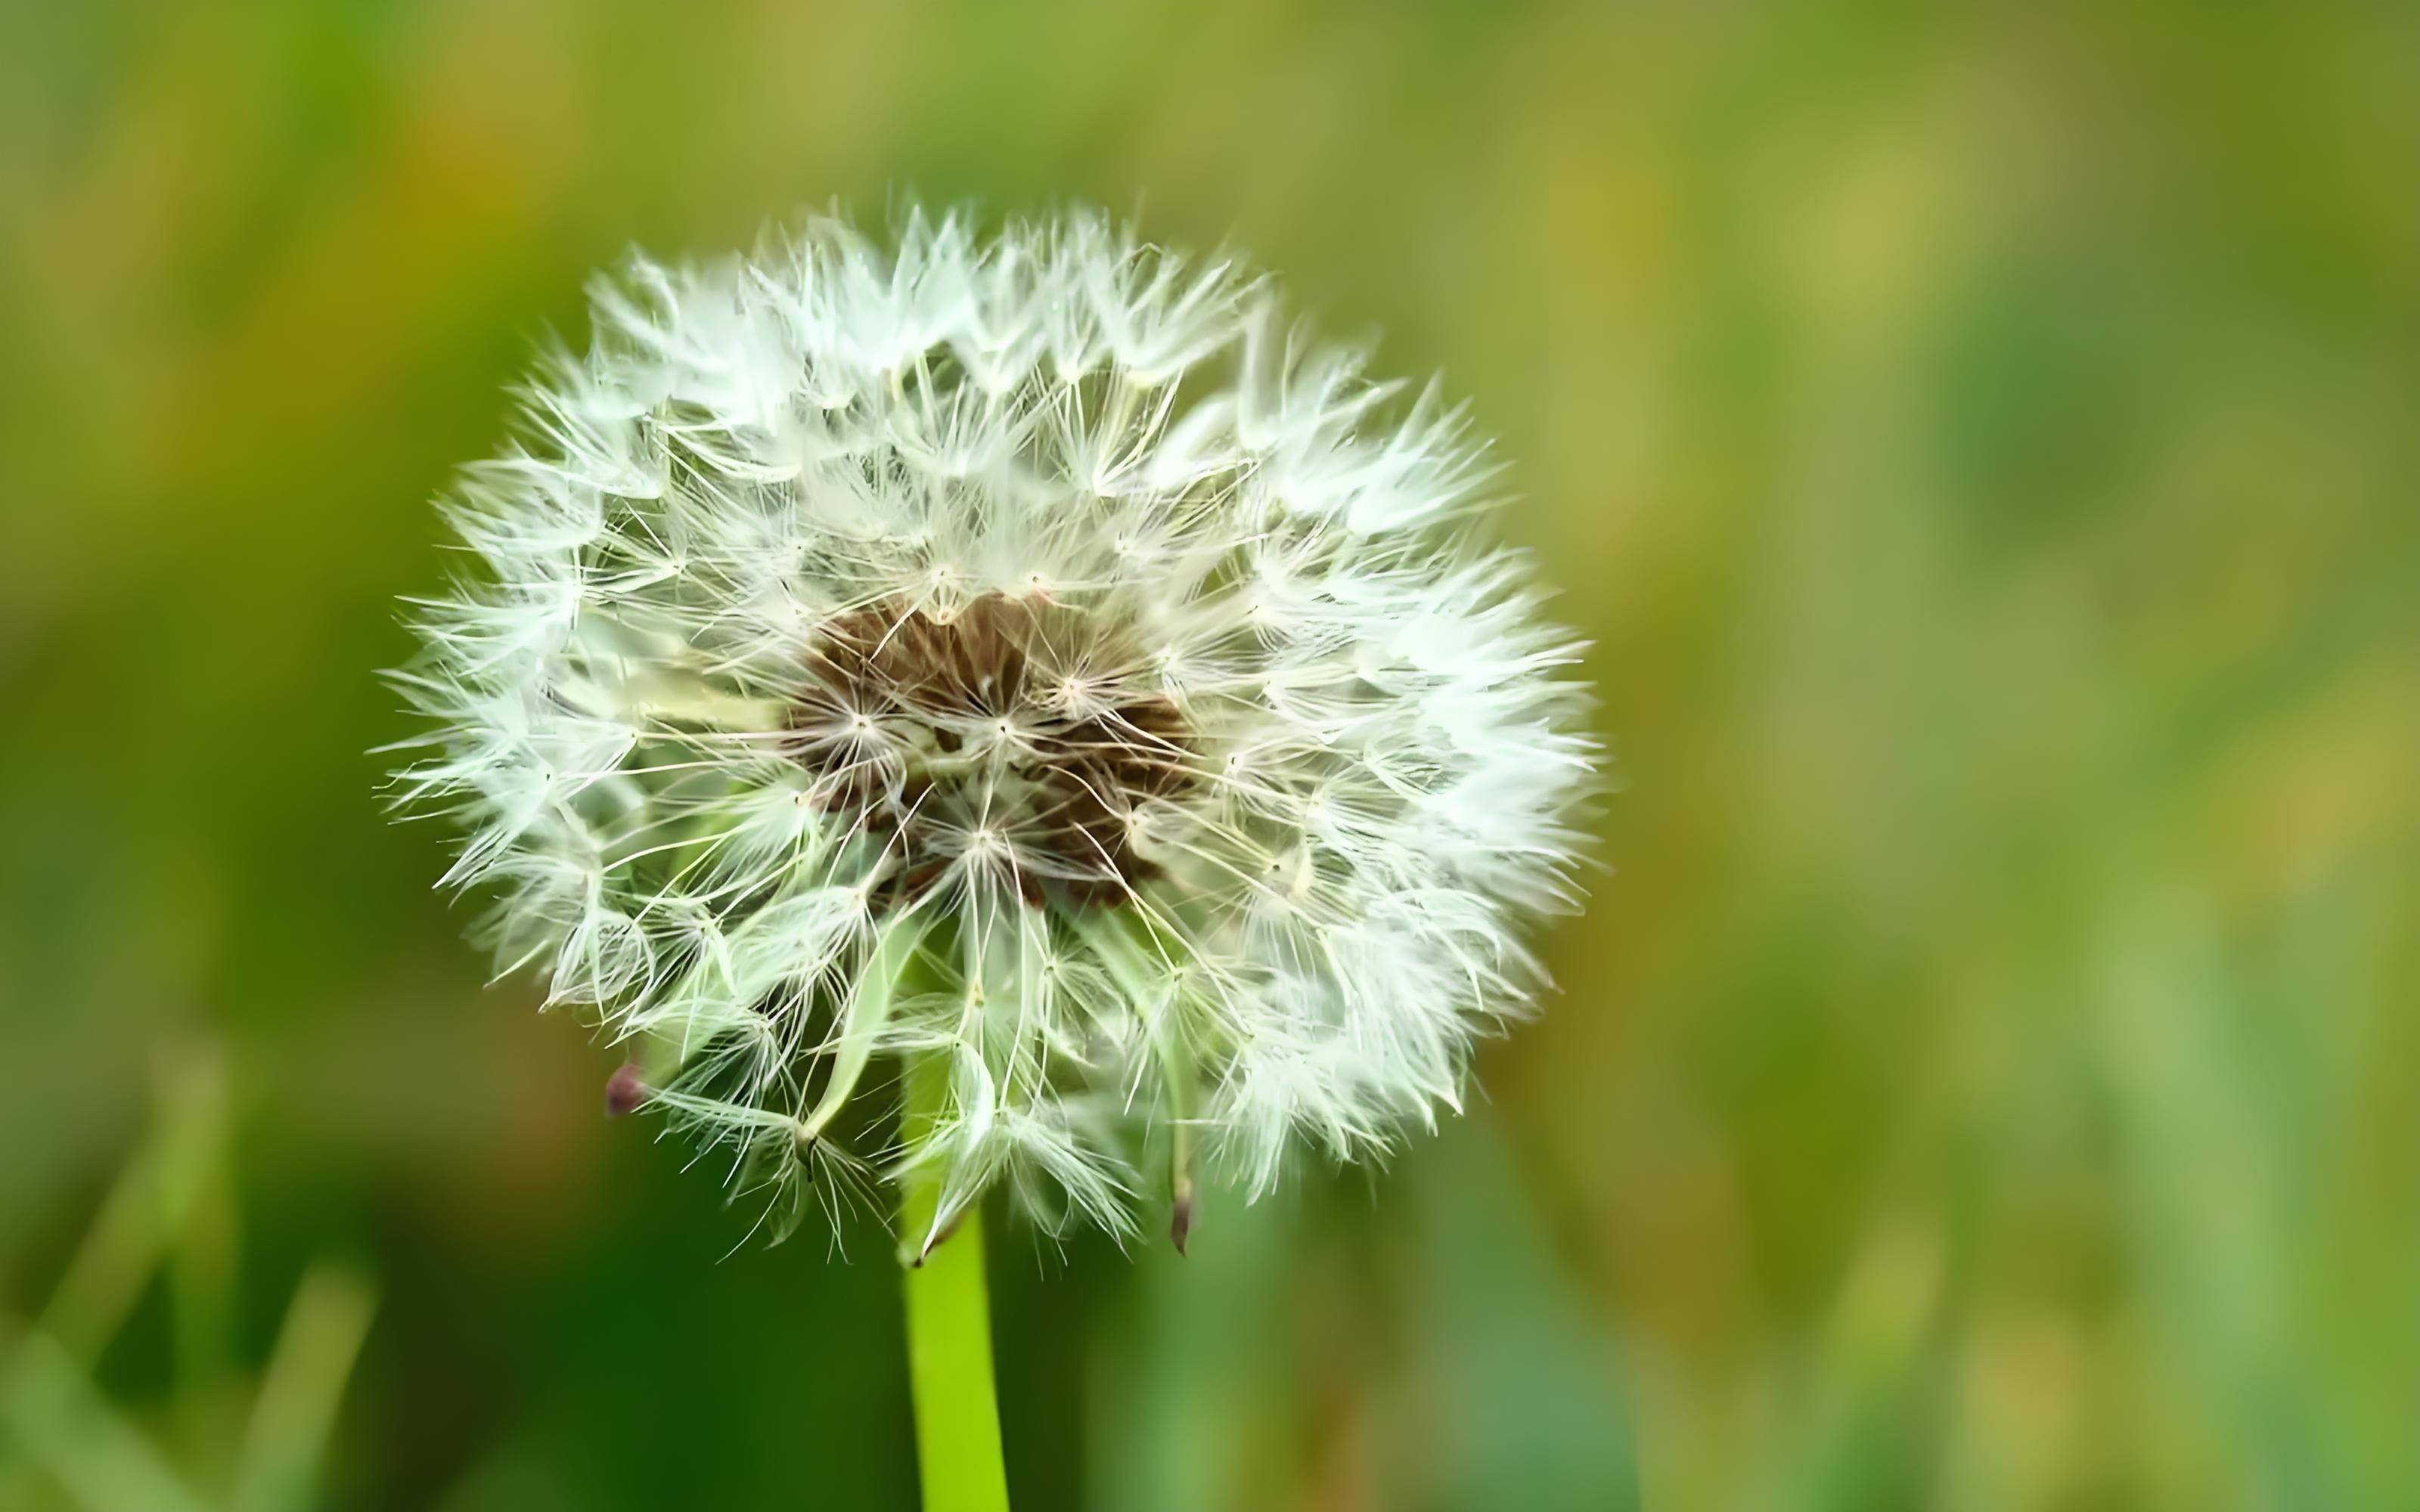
[949, 1327]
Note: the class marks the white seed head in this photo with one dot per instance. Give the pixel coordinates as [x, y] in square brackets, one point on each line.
[1028, 651]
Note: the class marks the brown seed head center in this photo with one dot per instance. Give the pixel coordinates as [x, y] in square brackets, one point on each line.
[1010, 738]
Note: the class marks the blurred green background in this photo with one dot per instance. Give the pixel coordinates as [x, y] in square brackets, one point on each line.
[1980, 441]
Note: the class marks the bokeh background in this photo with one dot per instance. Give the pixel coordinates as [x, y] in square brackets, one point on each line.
[1981, 442]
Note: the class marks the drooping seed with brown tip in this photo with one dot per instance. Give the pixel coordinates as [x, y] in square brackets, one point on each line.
[626, 1090]
[1180, 1221]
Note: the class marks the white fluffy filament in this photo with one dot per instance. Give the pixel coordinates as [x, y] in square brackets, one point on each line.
[1025, 650]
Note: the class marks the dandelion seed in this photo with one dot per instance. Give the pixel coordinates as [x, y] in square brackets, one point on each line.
[1025, 652]
[626, 1091]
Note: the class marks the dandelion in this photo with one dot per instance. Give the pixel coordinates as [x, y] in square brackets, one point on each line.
[1026, 670]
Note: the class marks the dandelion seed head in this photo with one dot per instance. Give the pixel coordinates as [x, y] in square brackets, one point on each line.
[1025, 649]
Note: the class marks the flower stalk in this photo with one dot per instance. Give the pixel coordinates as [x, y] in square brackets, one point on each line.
[948, 1323]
